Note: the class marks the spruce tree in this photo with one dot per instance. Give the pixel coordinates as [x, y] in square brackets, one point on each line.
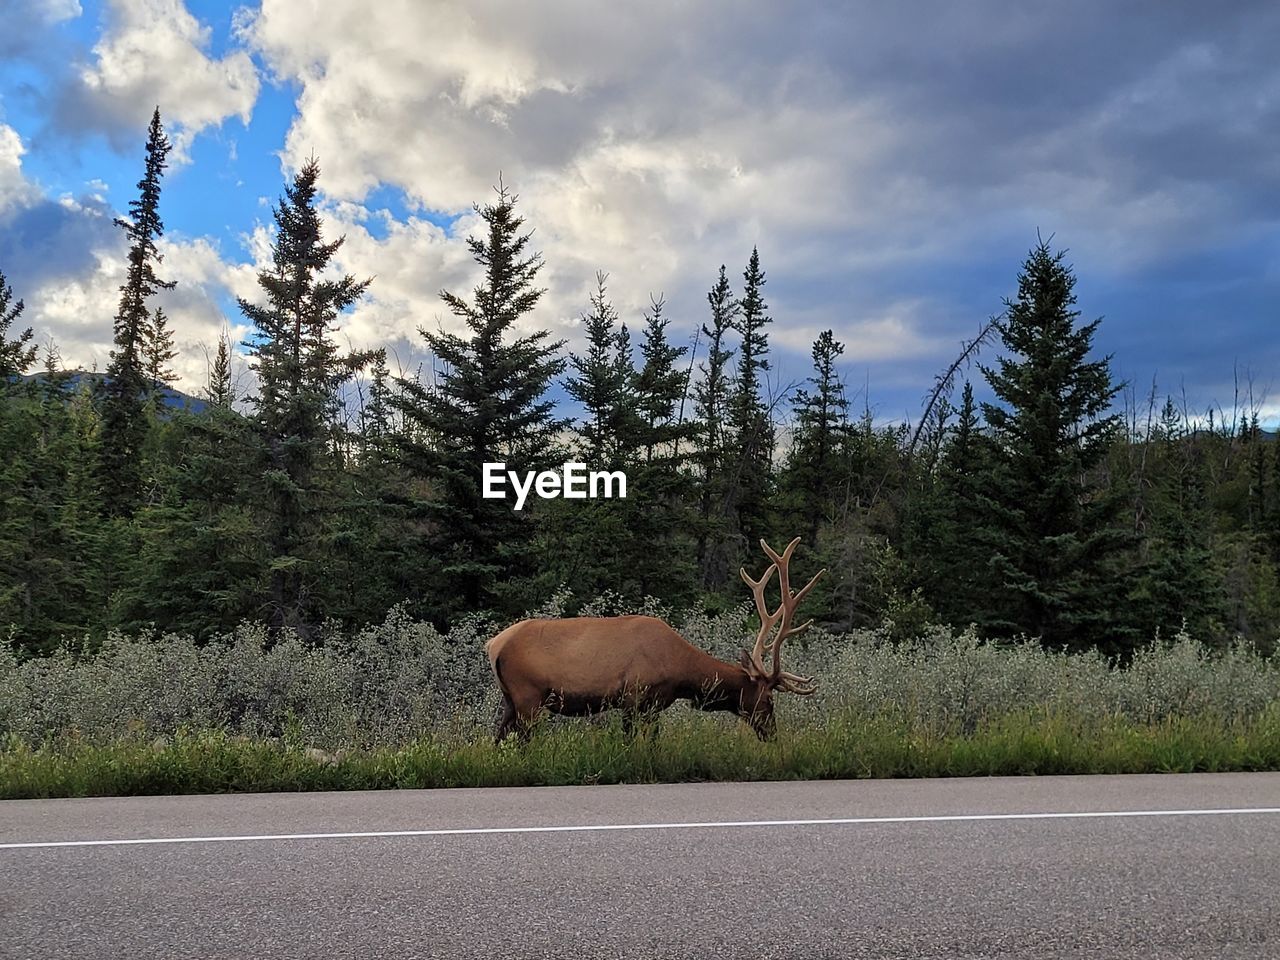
[1052, 525]
[375, 418]
[220, 392]
[711, 409]
[16, 355]
[124, 417]
[1175, 581]
[489, 405]
[199, 560]
[51, 534]
[638, 546]
[602, 383]
[96, 548]
[160, 352]
[956, 555]
[374, 565]
[31, 555]
[821, 412]
[661, 508]
[588, 546]
[749, 416]
[1273, 501]
[300, 375]
[1258, 506]
[660, 387]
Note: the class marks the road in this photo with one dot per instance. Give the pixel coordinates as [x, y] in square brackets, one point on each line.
[918, 868]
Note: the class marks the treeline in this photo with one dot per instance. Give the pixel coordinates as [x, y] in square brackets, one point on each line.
[337, 489]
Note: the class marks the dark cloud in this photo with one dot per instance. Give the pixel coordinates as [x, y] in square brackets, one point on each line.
[1155, 97]
[52, 239]
[899, 159]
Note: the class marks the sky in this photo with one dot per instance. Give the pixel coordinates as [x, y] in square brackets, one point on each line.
[893, 163]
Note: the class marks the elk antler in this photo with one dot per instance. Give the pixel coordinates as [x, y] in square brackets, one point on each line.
[767, 620]
[780, 618]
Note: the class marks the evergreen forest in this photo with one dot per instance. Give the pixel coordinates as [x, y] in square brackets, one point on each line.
[1071, 509]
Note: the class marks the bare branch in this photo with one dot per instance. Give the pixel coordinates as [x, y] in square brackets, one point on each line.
[946, 381]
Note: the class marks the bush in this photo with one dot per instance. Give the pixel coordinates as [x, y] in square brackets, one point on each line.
[393, 683]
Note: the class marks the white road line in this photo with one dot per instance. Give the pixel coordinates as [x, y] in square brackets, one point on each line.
[603, 827]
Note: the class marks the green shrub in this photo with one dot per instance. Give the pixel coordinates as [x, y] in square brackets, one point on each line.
[399, 688]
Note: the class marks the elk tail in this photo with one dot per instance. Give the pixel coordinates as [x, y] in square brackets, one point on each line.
[496, 663]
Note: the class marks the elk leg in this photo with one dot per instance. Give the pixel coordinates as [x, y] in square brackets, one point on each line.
[524, 724]
[524, 710]
[506, 721]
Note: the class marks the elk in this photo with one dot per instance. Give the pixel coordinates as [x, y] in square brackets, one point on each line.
[582, 665]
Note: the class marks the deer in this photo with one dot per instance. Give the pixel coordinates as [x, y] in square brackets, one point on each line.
[579, 666]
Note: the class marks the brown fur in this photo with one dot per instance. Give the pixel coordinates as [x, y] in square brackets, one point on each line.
[586, 664]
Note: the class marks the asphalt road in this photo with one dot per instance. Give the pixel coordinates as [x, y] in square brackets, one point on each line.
[900, 882]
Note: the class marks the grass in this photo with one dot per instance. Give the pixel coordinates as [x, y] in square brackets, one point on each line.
[400, 704]
[695, 749]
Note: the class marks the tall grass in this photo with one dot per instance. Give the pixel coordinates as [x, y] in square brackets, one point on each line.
[702, 749]
[402, 704]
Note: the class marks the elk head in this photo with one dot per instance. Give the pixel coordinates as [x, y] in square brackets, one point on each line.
[763, 664]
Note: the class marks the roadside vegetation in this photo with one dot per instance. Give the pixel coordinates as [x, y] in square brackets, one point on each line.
[401, 704]
[1052, 501]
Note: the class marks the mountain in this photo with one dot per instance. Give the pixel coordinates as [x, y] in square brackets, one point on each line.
[171, 400]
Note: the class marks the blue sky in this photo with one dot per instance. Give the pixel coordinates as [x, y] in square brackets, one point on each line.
[893, 166]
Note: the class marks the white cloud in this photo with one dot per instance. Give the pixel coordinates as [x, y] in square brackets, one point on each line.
[77, 310]
[195, 306]
[15, 189]
[658, 141]
[629, 139]
[410, 265]
[155, 52]
[893, 335]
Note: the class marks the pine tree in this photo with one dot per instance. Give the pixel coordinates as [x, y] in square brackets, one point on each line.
[821, 412]
[602, 383]
[1052, 526]
[956, 555]
[300, 373]
[220, 392]
[159, 352]
[661, 559]
[490, 405]
[749, 416]
[660, 387]
[1258, 506]
[1273, 501]
[17, 355]
[199, 560]
[92, 554]
[375, 419]
[711, 409]
[373, 564]
[588, 546]
[125, 423]
[1175, 581]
